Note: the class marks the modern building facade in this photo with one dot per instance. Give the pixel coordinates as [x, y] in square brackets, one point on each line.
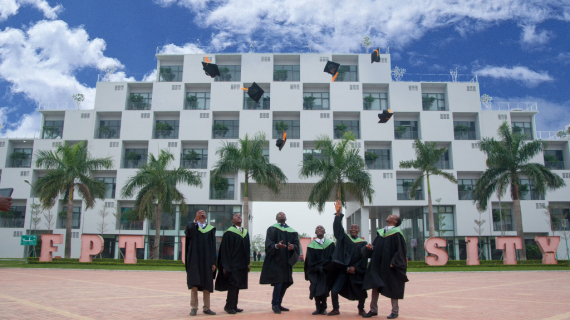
[191, 115]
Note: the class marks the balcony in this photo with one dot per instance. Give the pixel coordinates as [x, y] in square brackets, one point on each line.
[170, 74]
[263, 104]
[405, 133]
[194, 164]
[20, 160]
[554, 165]
[221, 194]
[286, 73]
[134, 164]
[131, 225]
[107, 133]
[503, 226]
[166, 134]
[468, 135]
[225, 134]
[377, 164]
[140, 105]
[52, 133]
[407, 196]
[465, 194]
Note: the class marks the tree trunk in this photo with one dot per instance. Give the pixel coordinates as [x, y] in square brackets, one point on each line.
[156, 249]
[430, 211]
[245, 203]
[68, 221]
[520, 233]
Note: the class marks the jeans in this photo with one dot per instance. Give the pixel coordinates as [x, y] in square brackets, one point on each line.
[278, 293]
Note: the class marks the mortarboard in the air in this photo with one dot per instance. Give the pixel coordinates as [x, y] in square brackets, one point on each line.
[385, 116]
[254, 92]
[375, 56]
[281, 141]
[332, 69]
[210, 68]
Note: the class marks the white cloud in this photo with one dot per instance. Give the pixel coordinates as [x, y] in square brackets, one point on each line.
[10, 7]
[28, 125]
[339, 27]
[530, 37]
[522, 74]
[185, 49]
[40, 63]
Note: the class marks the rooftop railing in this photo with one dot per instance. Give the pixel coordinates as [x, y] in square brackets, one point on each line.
[510, 106]
[552, 135]
[416, 77]
[55, 106]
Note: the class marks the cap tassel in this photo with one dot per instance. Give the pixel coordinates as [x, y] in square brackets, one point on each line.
[244, 89]
[390, 110]
[336, 74]
[207, 60]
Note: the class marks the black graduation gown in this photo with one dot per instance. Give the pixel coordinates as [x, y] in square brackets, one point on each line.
[317, 257]
[347, 253]
[200, 256]
[278, 263]
[389, 248]
[233, 256]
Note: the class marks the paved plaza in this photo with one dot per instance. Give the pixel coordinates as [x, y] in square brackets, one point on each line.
[96, 294]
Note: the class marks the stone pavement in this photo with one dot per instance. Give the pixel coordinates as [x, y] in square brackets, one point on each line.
[97, 294]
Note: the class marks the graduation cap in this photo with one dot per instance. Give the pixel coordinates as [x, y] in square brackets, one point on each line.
[332, 69]
[254, 92]
[281, 142]
[375, 56]
[210, 68]
[385, 116]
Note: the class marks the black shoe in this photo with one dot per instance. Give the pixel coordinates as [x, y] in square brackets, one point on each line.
[283, 308]
[318, 311]
[239, 310]
[230, 311]
[370, 314]
[392, 316]
[193, 312]
[324, 312]
[210, 312]
[334, 312]
[276, 309]
[361, 312]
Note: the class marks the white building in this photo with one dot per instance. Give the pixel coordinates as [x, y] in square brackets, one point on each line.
[125, 128]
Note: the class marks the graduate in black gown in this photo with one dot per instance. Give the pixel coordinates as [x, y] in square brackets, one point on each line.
[281, 253]
[348, 267]
[319, 254]
[386, 272]
[233, 263]
[200, 261]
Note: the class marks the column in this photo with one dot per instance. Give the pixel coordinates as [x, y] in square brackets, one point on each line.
[364, 224]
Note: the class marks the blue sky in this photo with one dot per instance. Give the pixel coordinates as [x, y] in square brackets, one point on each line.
[520, 49]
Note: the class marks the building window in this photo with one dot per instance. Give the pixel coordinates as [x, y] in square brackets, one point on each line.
[316, 101]
[527, 191]
[140, 101]
[75, 219]
[465, 188]
[404, 188]
[135, 158]
[347, 73]
[166, 129]
[109, 129]
[52, 130]
[167, 221]
[560, 219]
[110, 186]
[443, 162]
[229, 73]
[286, 73]
[130, 220]
[464, 130]
[222, 189]
[194, 158]
[524, 128]
[433, 101]
[170, 73]
[406, 130]
[310, 154]
[375, 101]
[225, 129]
[249, 104]
[292, 128]
[553, 159]
[197, 101]
[377, 159]
[13, 218]
[443, 220]
[503, 218]
[342, 126]
[21, 158]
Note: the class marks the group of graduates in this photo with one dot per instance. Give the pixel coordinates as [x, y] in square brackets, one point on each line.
[339, 268]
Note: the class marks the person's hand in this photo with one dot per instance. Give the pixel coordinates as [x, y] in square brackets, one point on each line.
[391, 266]
[224, 271]
[248, 268]
[369, 246]
[290, 247]
[337, 206]
[350, 270]
[213, 268]
[5, 203]
[280, 245]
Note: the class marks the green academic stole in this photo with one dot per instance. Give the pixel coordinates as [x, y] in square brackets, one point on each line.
[357, 240]
[288, 229]
[316, 245]
[390, 232]
[235, 230]
[208, 228]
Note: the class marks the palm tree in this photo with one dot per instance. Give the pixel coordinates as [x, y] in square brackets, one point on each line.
[341, 169]
[69, 169]
[507, 161]
[249, 159]
[156, 190]
[427, 155]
